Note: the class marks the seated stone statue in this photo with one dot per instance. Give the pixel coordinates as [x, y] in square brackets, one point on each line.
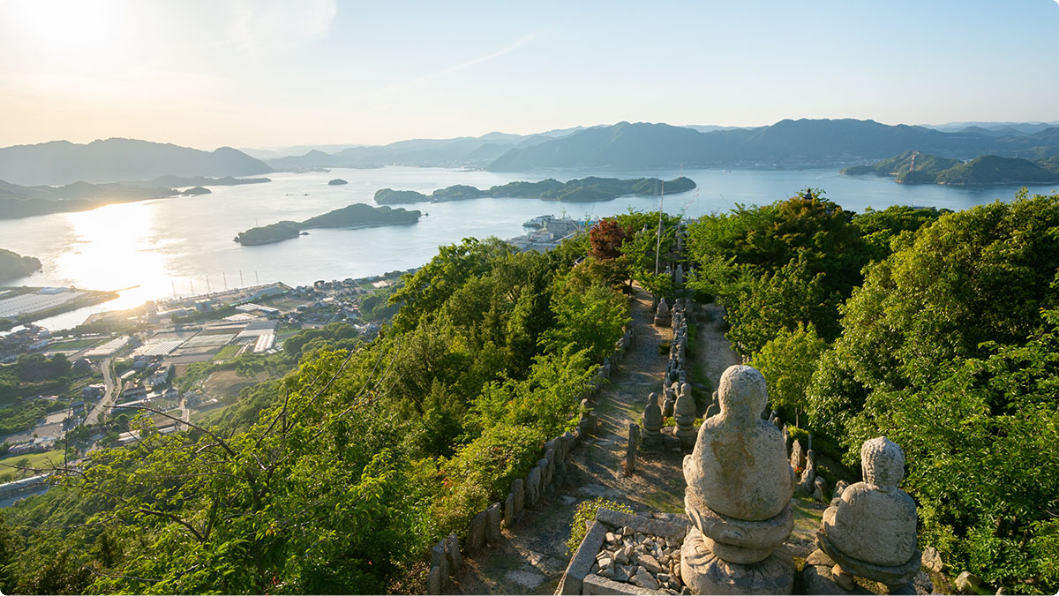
[739, 467]
[871, 529]
[739, 486]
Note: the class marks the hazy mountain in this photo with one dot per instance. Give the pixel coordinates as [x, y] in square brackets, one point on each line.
[1008, 127]
[460, 151]
[788, 142]
[455, 152]
[278, 152]
[62, 162]
[713, 127]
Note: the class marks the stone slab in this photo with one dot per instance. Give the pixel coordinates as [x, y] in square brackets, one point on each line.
[644, 525]
[595, 584]
[583, 559]
[526, 579]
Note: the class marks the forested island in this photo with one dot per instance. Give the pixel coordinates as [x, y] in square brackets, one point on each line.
[337, 182]
[357, 215]
[26, 201]
[14, 266]
[573, 191]
[913, 167]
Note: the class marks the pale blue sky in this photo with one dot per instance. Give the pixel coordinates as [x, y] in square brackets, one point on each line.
[262, 73]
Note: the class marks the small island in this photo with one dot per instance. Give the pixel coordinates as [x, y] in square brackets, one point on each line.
[913, 167]
[14, 266]
[181, 181]
[353, 216]
[195, 191]
[337, 182]
[583, 190]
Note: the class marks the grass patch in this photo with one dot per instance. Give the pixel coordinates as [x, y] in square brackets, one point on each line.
[77, 344]
[36, 460]
[226, 353]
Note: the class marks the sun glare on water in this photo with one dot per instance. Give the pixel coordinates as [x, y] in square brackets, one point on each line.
[114, 249]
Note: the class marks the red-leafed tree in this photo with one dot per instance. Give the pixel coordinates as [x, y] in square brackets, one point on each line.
[606, 238]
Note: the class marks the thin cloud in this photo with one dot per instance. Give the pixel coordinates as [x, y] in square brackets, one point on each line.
[445, 72]
[259, 27]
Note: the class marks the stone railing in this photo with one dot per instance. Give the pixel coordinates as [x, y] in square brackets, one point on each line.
[484, 528]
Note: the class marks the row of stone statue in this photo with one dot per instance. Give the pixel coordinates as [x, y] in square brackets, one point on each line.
[739, 487]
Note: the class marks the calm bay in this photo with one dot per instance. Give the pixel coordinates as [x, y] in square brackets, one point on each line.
[183, 246]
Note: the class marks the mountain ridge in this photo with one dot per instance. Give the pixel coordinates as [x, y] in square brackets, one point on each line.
[56, 163]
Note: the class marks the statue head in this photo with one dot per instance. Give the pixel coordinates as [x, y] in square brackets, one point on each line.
[742, 394]
[882, 463]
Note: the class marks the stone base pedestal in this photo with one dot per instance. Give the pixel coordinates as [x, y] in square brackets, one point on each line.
[896, 579]
[818, 577]
[704, 573]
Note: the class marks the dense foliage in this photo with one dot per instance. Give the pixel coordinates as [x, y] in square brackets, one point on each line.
[936, 329]
[357, 461]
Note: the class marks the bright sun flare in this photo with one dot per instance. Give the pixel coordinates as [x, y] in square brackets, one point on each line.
[70, 28]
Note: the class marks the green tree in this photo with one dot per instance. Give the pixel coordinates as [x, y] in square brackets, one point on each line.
[788, 361]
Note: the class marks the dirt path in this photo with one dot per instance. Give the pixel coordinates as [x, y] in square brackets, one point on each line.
[711, 354]
[532, 558]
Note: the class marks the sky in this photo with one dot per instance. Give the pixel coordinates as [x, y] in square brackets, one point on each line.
[273, 73]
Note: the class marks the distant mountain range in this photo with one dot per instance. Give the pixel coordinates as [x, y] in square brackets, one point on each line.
[61, 162]
[621, 146]
[789, 143]
[456, 152]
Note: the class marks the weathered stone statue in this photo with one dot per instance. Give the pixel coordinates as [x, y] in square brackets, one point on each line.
[684, 412]
[670, 401]
[662, 315]
[652, 424]
[870, 531]
[740, 484]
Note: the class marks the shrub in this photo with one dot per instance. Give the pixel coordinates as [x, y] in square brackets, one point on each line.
[585, 512]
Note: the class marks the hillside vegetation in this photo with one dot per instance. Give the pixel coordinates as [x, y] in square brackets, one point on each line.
[939, 330]
[353, 464]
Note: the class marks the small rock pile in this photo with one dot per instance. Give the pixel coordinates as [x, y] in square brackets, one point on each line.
[648, 561]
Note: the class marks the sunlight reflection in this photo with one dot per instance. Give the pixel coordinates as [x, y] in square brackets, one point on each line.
[113, 249]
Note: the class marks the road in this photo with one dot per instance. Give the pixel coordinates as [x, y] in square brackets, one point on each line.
[113, 385]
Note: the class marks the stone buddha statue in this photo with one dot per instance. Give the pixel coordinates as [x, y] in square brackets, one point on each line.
[738, 496]
[739, 467]
[871, 530]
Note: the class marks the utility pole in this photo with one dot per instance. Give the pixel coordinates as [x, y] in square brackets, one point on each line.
[658, 244]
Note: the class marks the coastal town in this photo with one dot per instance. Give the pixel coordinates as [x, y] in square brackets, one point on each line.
[79, 389]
